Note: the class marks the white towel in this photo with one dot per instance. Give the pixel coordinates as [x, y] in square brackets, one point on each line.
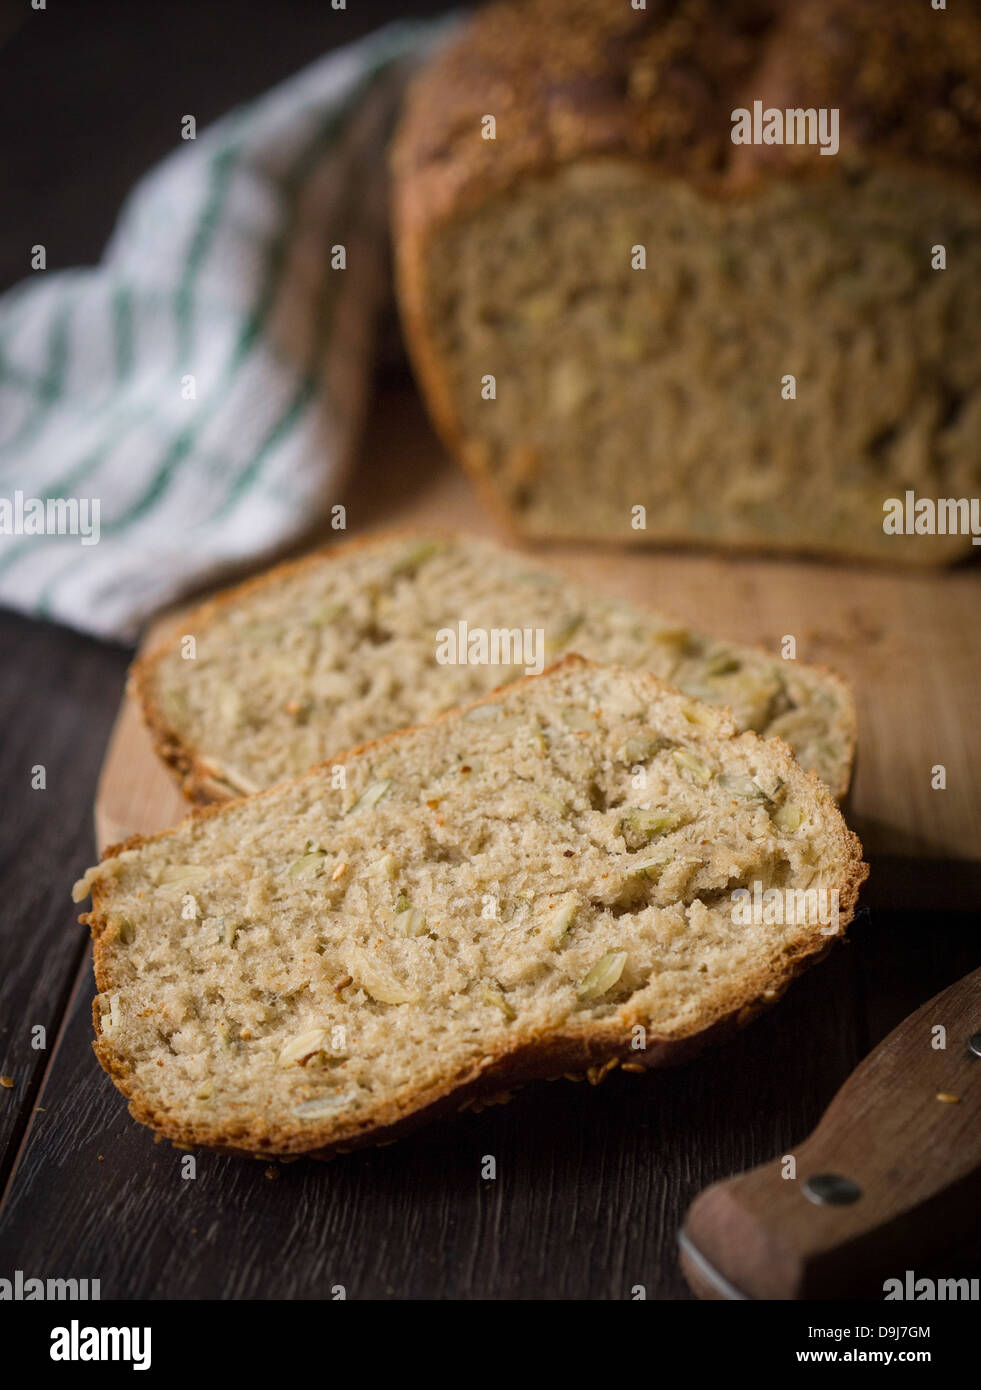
[192, 403]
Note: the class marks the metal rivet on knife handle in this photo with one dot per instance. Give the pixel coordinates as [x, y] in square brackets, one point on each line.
[974, 1044]
[831, 1190]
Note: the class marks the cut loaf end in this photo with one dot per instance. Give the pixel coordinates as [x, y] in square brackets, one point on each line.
[584, 870]
[669, 389]
[614, 304]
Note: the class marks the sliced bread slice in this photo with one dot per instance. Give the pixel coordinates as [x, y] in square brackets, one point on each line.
[325, 653]
[583, 870]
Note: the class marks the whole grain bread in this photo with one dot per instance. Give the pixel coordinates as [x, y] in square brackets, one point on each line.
[619, 385]
[546, 882]
[319, 655]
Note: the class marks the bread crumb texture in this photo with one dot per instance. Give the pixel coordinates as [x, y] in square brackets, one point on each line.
[330, 652]
[516, 901]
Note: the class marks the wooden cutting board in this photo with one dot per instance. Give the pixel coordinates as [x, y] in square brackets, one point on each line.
[908, 642]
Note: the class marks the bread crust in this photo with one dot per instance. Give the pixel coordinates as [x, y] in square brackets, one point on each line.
[654, 89]
[589, 1048]
[199, 779]
[574, 78]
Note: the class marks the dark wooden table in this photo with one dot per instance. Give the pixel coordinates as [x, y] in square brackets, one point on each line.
[591, 1185]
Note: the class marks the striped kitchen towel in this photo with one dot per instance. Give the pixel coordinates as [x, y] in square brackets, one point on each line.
[192, 403]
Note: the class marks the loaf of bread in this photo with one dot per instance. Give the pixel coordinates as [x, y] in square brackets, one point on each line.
[584, 870]
[320, 655]
[629, 327]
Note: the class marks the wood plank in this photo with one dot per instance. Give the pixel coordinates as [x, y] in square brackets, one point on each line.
[57, 696]
[904, 640]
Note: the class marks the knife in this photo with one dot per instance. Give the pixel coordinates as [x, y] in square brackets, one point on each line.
[888, 1182]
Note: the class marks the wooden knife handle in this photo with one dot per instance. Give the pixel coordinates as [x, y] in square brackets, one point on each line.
[889, 1180]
